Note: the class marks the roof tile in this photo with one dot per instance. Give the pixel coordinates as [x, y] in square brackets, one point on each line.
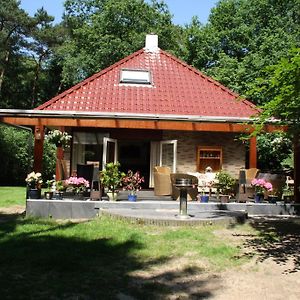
[176, 88]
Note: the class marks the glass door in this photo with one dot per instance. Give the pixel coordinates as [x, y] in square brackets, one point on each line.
[168, 154]
[110, 153]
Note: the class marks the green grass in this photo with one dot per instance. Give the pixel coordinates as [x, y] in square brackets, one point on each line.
[12, 195]
[44, 259]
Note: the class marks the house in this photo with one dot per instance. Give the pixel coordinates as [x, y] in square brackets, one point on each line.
[148, 109]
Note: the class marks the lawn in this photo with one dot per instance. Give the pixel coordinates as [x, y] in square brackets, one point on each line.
[12, 196]
[103, 258]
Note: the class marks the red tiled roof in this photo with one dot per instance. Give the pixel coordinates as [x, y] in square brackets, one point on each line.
[176, 89]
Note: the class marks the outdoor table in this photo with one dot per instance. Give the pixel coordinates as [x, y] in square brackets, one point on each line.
[183, 184]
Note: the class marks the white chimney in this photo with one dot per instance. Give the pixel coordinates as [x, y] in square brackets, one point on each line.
[151, 43]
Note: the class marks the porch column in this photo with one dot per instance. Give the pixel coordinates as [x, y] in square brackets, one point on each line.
[38, 148]
[252, 153]
[59, 158]
[297, 168]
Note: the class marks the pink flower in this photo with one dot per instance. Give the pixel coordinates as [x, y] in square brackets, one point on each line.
[261, 185]
[77, 184]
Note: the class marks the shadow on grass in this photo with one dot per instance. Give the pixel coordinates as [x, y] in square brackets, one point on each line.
[278, 239]
[41, 262]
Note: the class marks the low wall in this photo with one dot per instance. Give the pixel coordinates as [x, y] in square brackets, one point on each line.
[70, 209]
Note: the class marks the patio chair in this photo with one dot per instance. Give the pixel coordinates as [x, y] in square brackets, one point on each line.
[191, 192]
[162, 181]
[245, 189]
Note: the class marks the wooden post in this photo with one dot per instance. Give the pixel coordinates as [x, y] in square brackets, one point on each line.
[38, 148]
[252, 153]
[297, 168]
[59, 158]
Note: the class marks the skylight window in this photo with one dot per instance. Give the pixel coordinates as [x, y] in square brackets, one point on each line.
[135, 76]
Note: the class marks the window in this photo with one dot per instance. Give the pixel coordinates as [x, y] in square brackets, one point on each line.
[135, 76]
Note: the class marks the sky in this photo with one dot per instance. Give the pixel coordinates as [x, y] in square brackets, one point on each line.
[182, 10]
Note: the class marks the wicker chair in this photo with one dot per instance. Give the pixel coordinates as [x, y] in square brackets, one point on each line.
[162, 181]
[191, 192]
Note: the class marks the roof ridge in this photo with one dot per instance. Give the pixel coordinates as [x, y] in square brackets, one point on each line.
[89, 79]
[210, 79]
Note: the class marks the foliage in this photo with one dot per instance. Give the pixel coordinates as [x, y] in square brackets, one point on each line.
[273, 149]
[49, 161]
[16, 151]
[282, 86]
[77, 184]
[224, 182]
[261, 185]
[103, 32]
[27, 56]
[132, 181]
[34, 180]
[241, 38]
[58, 138]
[111, 177]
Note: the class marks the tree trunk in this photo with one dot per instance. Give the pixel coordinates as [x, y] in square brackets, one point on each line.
[3, 70]
[297, 167]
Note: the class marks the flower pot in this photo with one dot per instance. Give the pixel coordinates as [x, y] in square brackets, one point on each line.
[204, 198]
[272, 199]
[224, 198]
[132, 197]
[58, 195]
[259, 198]
[34, 194]
[48, 195]
[112, 196]
[78, 196]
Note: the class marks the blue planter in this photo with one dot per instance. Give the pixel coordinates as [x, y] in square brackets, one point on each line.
[259, 198]
[204, 198]
[132, 198]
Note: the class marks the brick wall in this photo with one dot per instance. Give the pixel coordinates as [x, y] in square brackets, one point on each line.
[233, 151]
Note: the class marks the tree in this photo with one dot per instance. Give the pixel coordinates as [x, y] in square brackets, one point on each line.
[281, 86]
[14, 26]
[241, 38]
[104, 31]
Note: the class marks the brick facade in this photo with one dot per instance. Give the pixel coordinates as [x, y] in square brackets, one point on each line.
[234, 152]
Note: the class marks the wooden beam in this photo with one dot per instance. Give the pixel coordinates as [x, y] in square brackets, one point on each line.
[252, 153]
[132, 124]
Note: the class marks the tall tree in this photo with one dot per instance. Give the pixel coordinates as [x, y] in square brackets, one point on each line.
[104, 31]
[14, 26]
[281, 85]
[241, 38]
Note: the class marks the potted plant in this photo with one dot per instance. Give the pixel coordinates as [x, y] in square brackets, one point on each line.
[77, 185]
[111, 179]
[288, 194]
[224, 183]
[132, 183]
[34, 183]
[60, 187]
[260, 187]
[48, 194]
[58, 138]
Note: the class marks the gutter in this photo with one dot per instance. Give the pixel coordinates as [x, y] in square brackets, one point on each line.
[19, 113]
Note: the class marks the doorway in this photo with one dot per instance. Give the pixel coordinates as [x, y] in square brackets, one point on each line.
[135, 156]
